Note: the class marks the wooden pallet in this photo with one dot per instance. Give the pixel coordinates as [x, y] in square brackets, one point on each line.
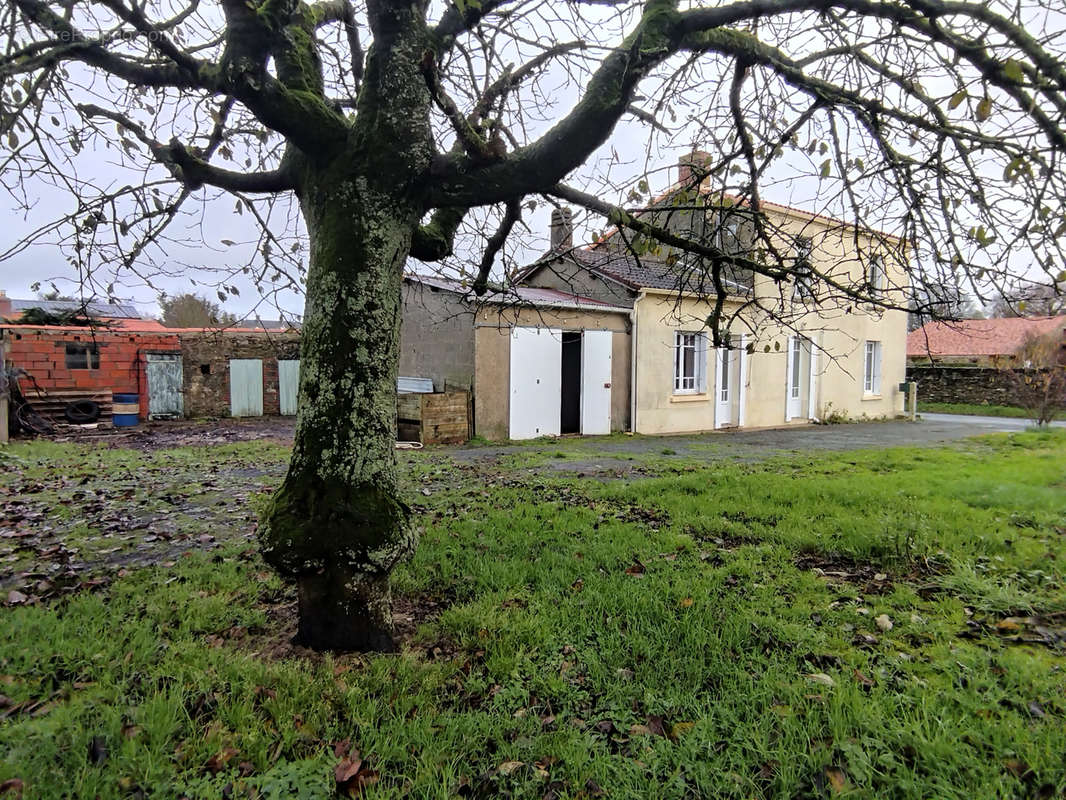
[50, 404]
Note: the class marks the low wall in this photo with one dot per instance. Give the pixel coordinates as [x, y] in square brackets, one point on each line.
[976, 385]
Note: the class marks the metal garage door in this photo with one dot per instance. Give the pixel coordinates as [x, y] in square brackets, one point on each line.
[246, 387]
[536, 382]
[288, 385]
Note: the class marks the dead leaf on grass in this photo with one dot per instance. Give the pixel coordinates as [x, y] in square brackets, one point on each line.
[509, 767]
[636, 569]
[12, 787]
[838, 781]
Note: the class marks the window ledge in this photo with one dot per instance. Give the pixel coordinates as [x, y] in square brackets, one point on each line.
[695, 397]
[873, 397]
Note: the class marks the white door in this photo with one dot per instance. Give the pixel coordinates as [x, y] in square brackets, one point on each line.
[288, 385]
[536, 382]
[726, 387]
[596, 382]
[246, 387]
[799, 377]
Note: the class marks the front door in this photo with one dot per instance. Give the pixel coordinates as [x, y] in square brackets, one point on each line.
[799, 378]
[165, 399]
[727, 388]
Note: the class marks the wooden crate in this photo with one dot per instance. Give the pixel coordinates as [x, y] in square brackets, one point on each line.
[439, 418]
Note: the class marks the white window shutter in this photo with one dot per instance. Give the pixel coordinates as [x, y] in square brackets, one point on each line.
[701, 362]
[877, 368]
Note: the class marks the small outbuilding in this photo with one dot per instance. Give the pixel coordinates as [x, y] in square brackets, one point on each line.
[539, 361]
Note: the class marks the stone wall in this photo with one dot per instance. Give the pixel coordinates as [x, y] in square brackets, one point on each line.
[205, 364]
[981, 386]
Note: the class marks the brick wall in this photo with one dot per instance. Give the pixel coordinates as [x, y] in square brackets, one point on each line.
[205, 367]
[42, 352]
[962, 385]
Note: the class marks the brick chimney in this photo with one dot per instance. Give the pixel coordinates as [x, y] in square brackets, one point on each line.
[562, 229]
[698, 159]
[6, 308]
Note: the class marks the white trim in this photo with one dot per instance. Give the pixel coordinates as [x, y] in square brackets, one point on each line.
[742, 388]
[788, 379]
[812, 389]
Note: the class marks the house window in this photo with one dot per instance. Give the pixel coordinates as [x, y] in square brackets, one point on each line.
[83, 356]
[875, 276]
[803, 280]
[871, 383]
[690, 362]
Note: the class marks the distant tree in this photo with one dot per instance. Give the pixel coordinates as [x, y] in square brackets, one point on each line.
[941, 301]
[1039, 300]
[192, 311]
[1037, 377]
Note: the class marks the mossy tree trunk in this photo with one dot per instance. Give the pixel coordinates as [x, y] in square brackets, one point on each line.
[337, 526]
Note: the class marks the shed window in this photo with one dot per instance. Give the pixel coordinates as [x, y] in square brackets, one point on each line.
[83, 356]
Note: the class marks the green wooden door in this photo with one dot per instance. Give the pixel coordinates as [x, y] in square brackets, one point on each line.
[246, 387]
[288, 385]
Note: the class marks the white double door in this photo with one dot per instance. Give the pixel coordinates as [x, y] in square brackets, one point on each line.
[729, 385]
[536, 383]
[801, 379]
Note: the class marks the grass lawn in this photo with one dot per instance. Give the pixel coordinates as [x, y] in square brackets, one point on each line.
[976, 409]
[875, 624]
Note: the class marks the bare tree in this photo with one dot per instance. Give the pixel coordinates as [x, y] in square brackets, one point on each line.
[417, 130]
[1036, 374]
[1031, 300]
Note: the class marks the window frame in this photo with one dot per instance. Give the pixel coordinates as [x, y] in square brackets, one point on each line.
[89, 353]
[876, 276]
[871, 368]
[699, 363]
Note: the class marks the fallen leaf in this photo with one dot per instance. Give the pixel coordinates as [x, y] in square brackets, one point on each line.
[348, 768]
[862, 679]
[97, 750]
[686, 602]
[636, 569]
[11, 787]
[508, 767]
[16, 598]
[639, 730]
[1009, 625]
[679, 729]
[884, 623]
[655, 725]
[219, 760]
[822, 678]
[1037, 710]
[838, 781]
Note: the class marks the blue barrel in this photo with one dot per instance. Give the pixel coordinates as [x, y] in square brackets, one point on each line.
[125, 410]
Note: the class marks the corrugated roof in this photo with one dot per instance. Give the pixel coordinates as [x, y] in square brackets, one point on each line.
[93, 308]
[517, 295]
[979, 337]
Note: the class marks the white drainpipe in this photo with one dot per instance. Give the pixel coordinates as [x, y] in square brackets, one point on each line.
[633, 363]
